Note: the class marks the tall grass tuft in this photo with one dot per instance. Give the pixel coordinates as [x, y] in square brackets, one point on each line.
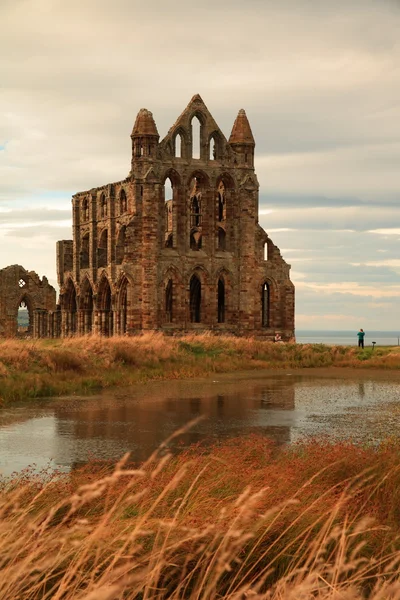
[42, 367]
[238, 520]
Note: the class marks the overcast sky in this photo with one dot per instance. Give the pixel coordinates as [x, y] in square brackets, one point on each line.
[320, 82]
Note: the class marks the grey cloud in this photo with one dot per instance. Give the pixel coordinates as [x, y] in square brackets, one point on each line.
[34, 215]
[39, 231]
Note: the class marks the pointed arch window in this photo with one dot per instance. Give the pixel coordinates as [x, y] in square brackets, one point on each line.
[178, 145]
[169, 213]
[265, 304]
[196, 137]
[221, 300]
[122, 314]
[195, 300]
[212, 149]
[221, 201]
[168, 301]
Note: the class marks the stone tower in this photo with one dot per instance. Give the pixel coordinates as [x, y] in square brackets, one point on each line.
[176, 246]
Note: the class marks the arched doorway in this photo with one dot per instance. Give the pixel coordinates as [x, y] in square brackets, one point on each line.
[122, 306]
[86, 308]
[105, 314]
[195, 300]
[25, 317]
[70, 310]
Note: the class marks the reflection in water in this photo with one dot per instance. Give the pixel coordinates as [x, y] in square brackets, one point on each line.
[68, 431]
[141, 424]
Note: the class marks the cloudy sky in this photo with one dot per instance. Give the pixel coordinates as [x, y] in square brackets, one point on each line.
[320, 82]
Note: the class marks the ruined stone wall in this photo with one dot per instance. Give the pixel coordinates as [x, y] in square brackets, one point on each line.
[19, 286]
[140, 260]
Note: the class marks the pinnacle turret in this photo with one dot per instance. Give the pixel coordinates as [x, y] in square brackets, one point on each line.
[144, 124]
[241, 130]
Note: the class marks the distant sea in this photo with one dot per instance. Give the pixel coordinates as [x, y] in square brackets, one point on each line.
[347, 338]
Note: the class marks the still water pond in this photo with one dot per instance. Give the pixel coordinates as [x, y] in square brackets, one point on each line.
[66, 432]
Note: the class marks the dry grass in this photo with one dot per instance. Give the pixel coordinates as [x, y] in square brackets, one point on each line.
[241, 520]
[52, 367]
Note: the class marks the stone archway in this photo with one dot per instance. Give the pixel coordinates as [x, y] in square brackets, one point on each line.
[17, 286]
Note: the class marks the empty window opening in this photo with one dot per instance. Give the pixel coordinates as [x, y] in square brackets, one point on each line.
[195, 300]
[221, 301]
[24, 319]
[102, 250]
[265, 305]
[168, 301]
[22, 283]
[168, 213]
[221, 198]
[195, 211]
[120, 246]
[178, 146]
[221, 239]
[195, 240]
[123, 202]
[196, 129]
[213, 149]
[84, 253]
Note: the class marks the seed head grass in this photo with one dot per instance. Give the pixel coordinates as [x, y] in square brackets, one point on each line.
[240, 519]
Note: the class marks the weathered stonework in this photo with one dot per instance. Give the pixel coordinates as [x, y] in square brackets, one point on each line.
[19, 286]
[197, 260]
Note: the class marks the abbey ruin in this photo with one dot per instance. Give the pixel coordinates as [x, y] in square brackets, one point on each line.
[175, 246]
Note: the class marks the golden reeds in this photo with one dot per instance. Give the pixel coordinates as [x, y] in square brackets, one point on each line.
[239, 520]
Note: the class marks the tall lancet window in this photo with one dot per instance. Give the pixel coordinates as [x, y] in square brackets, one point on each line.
[221, 300]
[168, 301]
[195, 300]
[195, 204]
[196, 137]
[265, 305]
[168, 214]
[221, 198]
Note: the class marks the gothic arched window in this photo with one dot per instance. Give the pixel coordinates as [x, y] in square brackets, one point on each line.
[195, 300]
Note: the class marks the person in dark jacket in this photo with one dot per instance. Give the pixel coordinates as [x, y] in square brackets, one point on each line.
[361, 335]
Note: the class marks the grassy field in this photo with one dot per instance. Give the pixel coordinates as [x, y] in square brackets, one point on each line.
[238, 520]
[40, 368]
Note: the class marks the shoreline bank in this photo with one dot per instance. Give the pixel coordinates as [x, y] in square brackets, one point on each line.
[87, 365]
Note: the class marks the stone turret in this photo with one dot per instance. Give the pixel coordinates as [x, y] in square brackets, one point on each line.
[144, 137]
[242, 140]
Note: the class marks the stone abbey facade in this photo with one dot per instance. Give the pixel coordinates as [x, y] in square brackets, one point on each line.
[195, 258]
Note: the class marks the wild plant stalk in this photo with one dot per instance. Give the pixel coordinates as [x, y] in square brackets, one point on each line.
[239, 520]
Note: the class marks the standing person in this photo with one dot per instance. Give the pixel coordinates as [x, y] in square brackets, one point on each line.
[360, 336]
